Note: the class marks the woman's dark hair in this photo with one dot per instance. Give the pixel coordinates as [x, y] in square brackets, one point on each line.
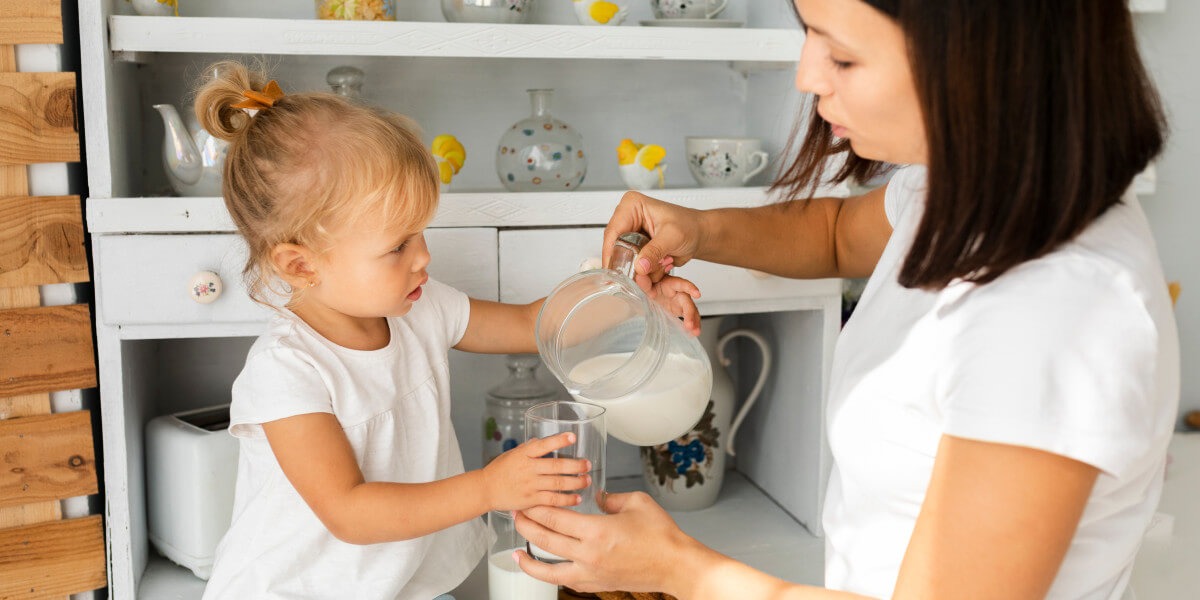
[1038, 114]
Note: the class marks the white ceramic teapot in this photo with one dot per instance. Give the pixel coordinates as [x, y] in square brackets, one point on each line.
[193, 159]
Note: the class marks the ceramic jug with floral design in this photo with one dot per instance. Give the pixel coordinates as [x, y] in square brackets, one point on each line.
[686, 473]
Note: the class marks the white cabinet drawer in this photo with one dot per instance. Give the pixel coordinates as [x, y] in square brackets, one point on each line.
[144, 279]
[533, 261]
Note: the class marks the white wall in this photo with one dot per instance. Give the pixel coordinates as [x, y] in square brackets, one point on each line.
[1172, 52]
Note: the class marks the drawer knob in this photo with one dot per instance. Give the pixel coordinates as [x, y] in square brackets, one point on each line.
[205, 287]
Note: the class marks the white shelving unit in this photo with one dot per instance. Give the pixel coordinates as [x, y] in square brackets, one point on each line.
[464, 40]
[160, 353]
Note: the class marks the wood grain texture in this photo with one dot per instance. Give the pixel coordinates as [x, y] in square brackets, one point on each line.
[31, 22]
[24, 406]
[41, 241]
[52, 559]
[37, 118]
[20, 297]
[46, 349]
[46, 457]
[14, 181]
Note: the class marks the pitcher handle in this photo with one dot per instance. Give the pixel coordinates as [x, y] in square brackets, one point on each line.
[765, 349]
[760, 157]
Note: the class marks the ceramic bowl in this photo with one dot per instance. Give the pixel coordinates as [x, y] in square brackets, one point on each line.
[487, 11]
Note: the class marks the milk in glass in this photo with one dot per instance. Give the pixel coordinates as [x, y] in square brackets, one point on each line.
[506, 580]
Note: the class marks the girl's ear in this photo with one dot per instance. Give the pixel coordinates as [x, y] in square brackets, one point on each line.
[294, 264]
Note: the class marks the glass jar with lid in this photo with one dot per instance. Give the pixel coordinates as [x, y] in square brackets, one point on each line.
[504, 415]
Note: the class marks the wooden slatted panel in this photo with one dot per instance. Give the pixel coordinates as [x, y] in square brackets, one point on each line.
[52, 559]
[31, 22]
[14, 181]
[37, 118]
[41, 241]
[46, 349]
[46, 457]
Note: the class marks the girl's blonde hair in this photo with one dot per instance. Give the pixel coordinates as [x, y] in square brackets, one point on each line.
[308, 164]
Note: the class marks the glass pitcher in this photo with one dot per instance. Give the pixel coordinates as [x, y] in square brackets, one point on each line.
[611, 345]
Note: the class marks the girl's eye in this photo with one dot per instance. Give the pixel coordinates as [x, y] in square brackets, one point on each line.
[840, 65]
[400, 248]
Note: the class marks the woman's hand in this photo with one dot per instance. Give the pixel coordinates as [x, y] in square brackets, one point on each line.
[636, 547]
[521, 478]
[675, 234]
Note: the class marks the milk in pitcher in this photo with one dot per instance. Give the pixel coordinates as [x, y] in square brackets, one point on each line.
[650, 414]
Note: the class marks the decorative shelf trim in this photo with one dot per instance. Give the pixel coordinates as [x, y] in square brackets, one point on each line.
[478, 40]
[477, 209]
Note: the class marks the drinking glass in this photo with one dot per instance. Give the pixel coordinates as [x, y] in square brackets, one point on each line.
[506, 580]
[586, 421]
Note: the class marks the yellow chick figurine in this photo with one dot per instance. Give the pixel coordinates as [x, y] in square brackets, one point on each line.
[641, 165]
[450, 156]
[601, 12]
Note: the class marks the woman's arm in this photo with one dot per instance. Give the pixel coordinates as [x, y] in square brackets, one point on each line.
[824, 237]
[319, 462]
[996, 523]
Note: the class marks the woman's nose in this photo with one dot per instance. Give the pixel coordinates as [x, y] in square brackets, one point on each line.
[810, 77]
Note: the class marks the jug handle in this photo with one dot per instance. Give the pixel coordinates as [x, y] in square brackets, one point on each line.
[765, 349]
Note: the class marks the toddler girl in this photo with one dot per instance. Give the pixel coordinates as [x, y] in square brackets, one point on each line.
[350, 480]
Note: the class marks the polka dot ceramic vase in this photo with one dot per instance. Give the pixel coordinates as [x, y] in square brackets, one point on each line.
[541, 153]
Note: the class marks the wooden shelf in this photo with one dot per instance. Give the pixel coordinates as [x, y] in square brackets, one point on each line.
[472, 40]
[469, 209]
[744, 523]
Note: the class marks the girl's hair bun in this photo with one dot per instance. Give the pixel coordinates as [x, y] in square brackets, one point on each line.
[224, 85]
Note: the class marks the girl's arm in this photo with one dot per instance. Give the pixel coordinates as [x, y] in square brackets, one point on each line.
[319, 462]
[996, 523]
[496, 328]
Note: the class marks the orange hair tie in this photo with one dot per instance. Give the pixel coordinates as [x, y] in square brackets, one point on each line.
[261, 100]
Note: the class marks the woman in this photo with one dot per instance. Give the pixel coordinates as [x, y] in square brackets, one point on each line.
[1002, 399]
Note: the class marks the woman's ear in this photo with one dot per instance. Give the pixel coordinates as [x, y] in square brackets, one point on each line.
[294, 264]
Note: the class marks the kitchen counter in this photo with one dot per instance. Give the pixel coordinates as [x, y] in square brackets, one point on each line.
[744, 523]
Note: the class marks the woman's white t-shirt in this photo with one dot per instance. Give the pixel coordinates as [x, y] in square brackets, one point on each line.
[394, 405]
[1074, 353]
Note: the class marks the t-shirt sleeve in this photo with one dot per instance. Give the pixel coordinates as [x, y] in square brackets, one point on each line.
[275, 384]
[904, 189]
[452, 309]
[1067, 369]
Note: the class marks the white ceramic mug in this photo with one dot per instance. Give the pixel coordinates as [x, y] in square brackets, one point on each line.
[725, 162]
[687, 9]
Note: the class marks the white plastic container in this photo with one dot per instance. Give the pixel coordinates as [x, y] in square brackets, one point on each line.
[191, 468]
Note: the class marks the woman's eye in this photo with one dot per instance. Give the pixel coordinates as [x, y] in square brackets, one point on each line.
[840, 65]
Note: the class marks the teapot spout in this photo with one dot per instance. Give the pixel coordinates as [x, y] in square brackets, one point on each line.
[180, 156]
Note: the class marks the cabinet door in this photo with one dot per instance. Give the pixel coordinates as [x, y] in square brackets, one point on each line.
[146, 279]
[532, 262]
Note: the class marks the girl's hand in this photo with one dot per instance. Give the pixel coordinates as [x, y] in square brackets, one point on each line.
[674, 231]
[636, 547]
[521, 478]
[678, 296]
